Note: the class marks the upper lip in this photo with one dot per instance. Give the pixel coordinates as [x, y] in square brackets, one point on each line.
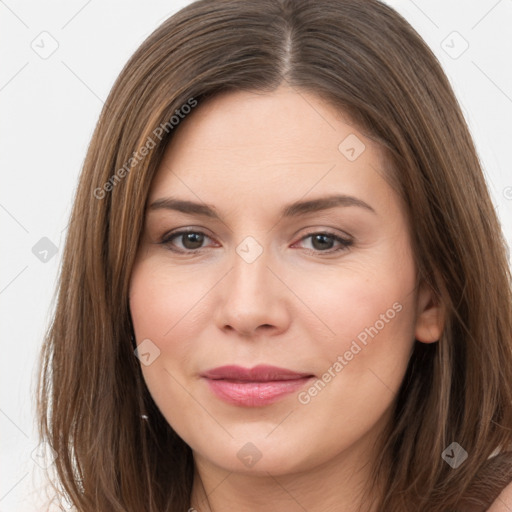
[260, 373]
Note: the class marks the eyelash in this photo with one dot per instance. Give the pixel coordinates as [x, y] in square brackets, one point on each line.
[345, 243]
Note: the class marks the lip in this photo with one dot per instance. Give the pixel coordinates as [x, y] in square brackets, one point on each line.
[254, 387]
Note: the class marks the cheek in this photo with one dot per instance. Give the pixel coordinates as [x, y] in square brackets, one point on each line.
[369, 309]
[166, 309]
[371, 312]
[361, 367]
[161, 300]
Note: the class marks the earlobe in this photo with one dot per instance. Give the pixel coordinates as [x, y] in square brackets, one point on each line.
[430, 316]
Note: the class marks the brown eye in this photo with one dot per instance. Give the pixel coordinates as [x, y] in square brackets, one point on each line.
[190, 241]
[324, 242]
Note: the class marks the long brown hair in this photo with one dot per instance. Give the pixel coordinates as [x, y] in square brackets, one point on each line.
[367, 61]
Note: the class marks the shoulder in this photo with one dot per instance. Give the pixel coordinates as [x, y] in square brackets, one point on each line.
[503, 502]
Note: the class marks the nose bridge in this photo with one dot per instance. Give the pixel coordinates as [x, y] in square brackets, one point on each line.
[250, 273]
[251, 295]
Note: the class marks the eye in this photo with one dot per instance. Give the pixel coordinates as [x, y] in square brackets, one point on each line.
[324, 242]
[191, 241]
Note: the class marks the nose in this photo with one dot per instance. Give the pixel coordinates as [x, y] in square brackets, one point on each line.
[252, 299]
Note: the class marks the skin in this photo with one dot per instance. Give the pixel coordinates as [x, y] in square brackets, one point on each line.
[503, 502]
[248, 154]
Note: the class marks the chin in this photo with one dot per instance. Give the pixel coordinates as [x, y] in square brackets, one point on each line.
[259, 456]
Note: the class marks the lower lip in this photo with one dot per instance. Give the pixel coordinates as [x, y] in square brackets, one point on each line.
[255, 394]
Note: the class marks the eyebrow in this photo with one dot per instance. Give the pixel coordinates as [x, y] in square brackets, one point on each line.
[291, 210]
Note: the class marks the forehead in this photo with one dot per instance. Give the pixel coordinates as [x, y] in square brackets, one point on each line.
[281, 145]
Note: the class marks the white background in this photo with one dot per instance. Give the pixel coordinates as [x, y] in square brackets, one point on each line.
[49, 107]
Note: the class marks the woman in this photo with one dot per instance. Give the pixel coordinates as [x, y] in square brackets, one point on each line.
[284, 285]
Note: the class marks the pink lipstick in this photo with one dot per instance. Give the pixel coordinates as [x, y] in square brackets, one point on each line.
[254, 387]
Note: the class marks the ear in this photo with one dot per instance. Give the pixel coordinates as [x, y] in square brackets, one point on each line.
[430, 316]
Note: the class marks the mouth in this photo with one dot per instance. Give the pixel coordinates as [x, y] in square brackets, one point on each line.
[254, 387]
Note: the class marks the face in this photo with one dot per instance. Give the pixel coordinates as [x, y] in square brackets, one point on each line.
[274, 286]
